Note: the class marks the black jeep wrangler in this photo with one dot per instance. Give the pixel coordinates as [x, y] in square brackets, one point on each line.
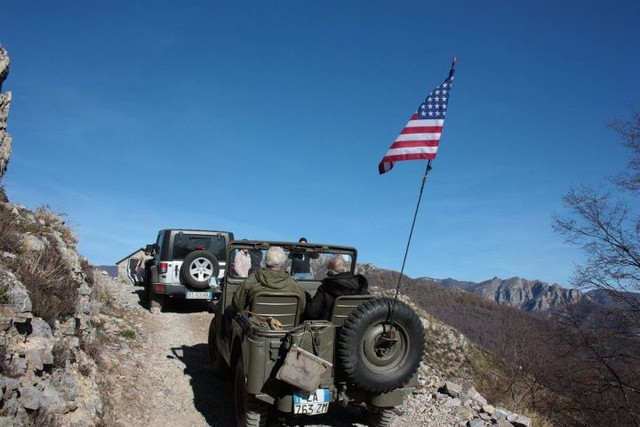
[366, 354]
[186, 264]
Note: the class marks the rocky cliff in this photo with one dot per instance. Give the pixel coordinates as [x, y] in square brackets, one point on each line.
[47, 341]
[5, 101]
[528, 295]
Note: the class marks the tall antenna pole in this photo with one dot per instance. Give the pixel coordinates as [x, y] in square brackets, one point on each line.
[441, 106]
[406, 251]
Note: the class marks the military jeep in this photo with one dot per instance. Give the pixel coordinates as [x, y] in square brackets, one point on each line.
[366, 354]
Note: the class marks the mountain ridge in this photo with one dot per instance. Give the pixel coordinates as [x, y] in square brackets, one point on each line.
[534, 297]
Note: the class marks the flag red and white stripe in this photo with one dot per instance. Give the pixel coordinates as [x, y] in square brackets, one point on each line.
[418, 140]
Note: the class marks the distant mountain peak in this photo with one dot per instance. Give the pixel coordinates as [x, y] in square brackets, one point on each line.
[528, 295]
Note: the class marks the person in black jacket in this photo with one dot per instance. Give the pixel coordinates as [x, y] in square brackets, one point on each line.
[256, 260]
[301, 263]
[339, 281]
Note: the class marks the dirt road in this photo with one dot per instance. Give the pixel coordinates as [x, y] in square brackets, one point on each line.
[157, 371]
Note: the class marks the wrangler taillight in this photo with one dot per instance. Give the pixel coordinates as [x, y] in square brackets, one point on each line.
[164, 267]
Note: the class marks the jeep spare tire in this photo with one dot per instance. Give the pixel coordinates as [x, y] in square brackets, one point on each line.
[376, 355]
[198, 268]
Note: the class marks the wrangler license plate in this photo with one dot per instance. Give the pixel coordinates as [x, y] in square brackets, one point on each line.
[311, 403]
[198, 295]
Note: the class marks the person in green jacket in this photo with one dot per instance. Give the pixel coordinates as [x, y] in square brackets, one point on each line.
[270, 279]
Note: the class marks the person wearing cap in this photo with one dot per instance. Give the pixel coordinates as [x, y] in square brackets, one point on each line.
[339, 281]
[301, 263]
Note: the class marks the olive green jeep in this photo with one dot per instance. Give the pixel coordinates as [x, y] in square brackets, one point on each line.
[366, 354]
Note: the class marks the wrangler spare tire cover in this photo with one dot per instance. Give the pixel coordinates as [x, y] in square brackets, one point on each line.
[198, 268]
[371, 360]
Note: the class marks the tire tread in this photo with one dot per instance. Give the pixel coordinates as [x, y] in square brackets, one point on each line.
[349, 342]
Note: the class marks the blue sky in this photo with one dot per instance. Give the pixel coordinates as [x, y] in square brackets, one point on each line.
[269, 119]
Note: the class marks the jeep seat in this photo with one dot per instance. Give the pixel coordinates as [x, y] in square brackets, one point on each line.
[284, 306]
[344, 305]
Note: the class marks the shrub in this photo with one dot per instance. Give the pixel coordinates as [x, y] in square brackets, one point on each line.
[100, 293]
[3, 293]
[3, 353]
[9, 239]
[85, 370]
[91, 347]
[53, 220]
[128, 334]
[88, 271]
[61, 354]
[50, 283]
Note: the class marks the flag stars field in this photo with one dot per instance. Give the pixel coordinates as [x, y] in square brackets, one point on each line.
[420, 137]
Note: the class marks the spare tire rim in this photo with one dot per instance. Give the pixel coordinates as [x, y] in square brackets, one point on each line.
[381, 355]
[201, 269]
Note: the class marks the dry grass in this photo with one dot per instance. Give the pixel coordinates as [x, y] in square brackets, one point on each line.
[53, 220]
[52, 288]
[91, 348]
[9, 237]
[100, 293]
[88, 270]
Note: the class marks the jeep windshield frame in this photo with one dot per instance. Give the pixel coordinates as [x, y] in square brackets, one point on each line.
[313, 255]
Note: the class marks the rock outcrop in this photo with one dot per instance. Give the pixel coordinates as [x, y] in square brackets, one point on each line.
[528, 295]
[5, 101]
[47, 374]
[47, 369]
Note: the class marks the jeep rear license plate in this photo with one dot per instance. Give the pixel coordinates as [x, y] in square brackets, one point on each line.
[311, 403]
[198, 295]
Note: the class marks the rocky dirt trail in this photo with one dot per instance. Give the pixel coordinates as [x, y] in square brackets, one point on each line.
[157, 370]
[157, 373]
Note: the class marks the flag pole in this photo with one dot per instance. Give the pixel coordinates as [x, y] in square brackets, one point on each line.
[406, 251]
[389, 335]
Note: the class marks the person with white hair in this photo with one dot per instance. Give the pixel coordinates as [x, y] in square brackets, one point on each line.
[271, 278]
[339, 281]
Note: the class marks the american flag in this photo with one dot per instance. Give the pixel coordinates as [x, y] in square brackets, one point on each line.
[420, 137]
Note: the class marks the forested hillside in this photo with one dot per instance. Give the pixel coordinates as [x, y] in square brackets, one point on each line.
[571, 375]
